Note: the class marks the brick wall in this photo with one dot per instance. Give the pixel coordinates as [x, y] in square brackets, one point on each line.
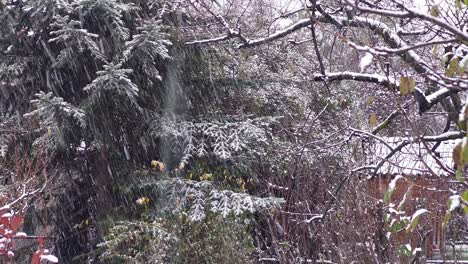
[427, 192]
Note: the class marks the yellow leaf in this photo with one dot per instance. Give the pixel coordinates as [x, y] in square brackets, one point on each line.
[373, 119]
[404, 85]
[460, 70]
[464, 113]
[447, 217]
[181, 166]
[158, 165]
[370, 99]
[465, 153]
[411, 84]
[49, 131]
[452, 68]
[462, 125]
[435, 50]
[208, 176]
[457, 155]
[435, 11]
[143, 201]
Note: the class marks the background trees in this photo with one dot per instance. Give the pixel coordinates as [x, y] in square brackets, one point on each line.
[222, 131]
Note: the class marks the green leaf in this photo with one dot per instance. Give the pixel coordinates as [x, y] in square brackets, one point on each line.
[387, 195]
[403, 200]
[397, 226]
[465, 209]
[435, 11]
[459, 174]
[415, 219]
[391, 188]
[404, 250]
[447, 217]
[458, 4]
[464, 196]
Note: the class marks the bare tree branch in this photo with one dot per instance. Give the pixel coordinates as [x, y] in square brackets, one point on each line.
[412, 13]
[207, 41]
[355, 76]
[439, 138]
[399, 51]
[277, 35]
[386, 122]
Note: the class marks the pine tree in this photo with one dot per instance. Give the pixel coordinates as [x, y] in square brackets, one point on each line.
[75, 39]
[148, 47]
[87, 80]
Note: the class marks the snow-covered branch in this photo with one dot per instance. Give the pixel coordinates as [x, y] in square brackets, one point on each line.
[355, 76]
[410, 140]
[443, 137]
[399, 51]
[391, 37]
[277, 35]
[413, 13]
[207, 41]
[387, 121]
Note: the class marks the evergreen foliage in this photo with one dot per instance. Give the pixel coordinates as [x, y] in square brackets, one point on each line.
[222, 138]
[95, 81]
[148, 47]
[191, 132]
[111, 82]
[75, 39]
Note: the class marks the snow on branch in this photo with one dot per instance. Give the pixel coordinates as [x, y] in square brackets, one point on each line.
[279, 34]
[443, 137]
[396, 45]
[438, 96]
[399, 51]
[355, 76]
[452, 135]
[396, 42]
[389, 36]
[207, 41]
[412, 13]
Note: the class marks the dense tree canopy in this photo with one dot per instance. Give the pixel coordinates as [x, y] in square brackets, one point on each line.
[233, 131]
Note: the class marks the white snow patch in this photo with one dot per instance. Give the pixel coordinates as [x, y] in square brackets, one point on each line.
[454, 202]
[366, 61]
